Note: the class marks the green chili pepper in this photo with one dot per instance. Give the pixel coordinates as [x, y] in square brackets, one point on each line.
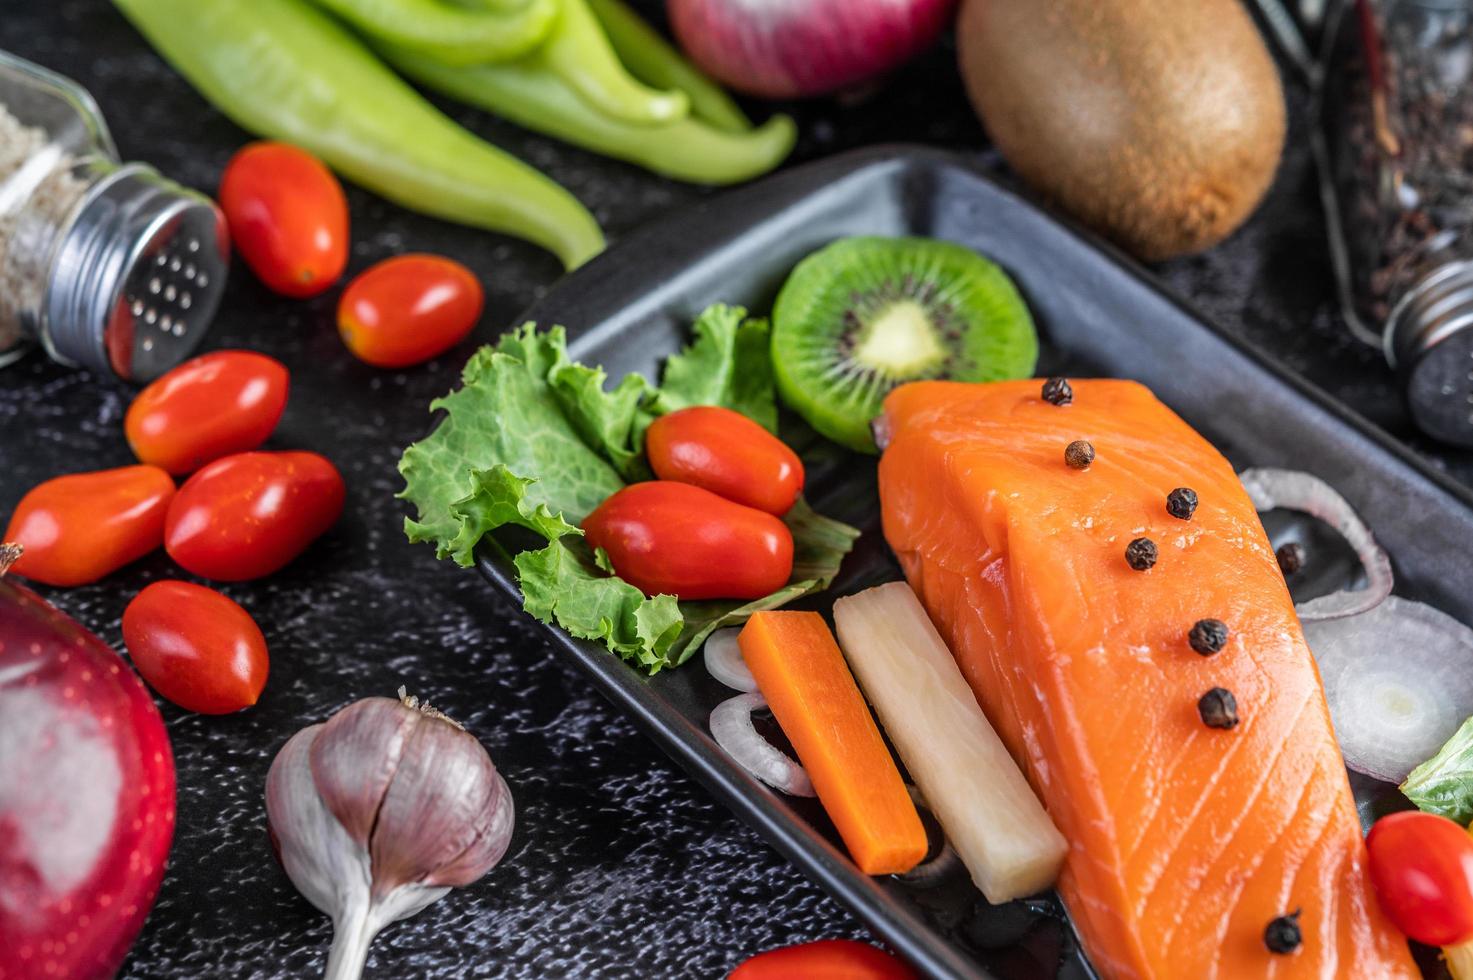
[530, 96]
[286, 70]
[655, 61]
[450, 33]
[579, 51]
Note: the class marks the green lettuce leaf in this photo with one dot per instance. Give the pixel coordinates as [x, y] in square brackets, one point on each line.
[565, 584]
[1444, 783]
[728, 363]
[536, 440]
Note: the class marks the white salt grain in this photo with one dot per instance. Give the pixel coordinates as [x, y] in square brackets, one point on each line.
[38, 192]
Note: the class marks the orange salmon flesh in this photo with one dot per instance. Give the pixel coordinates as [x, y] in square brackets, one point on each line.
[1185, 841]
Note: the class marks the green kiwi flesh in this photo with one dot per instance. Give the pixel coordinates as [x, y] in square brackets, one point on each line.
[863, 315]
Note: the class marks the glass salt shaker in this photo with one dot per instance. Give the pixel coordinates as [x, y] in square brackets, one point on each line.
[1397, 112]
[107, 265]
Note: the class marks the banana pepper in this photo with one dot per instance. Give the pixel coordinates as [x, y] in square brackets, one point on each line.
[286, 70]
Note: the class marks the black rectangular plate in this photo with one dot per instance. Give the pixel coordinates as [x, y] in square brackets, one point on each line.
[1098, 314]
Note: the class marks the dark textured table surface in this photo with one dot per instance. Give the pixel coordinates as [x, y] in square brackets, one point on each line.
[621, 866]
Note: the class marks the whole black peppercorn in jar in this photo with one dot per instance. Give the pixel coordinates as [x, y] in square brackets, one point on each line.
[1396, 106]
[106, 265]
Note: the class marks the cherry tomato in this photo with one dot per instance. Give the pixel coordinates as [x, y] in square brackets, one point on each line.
[212, 406]
[196, 647]
[247, 515]
[288, 217]
[669, 538]
[1422, 867]
[408, 309]
[827, 959]
[727, 453]
[75, 529]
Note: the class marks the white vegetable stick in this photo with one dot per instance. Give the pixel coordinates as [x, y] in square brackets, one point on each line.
[980, 797]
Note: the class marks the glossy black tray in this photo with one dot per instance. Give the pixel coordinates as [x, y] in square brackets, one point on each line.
[1098, 314]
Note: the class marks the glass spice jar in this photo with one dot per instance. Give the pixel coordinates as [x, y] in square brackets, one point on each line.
[1397, 115]
[107, 265]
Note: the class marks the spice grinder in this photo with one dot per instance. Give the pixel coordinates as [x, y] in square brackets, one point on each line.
[1395, 149]
[106, 265]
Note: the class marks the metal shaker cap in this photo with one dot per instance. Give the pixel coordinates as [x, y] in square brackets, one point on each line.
[137, 277]
[1429, 340]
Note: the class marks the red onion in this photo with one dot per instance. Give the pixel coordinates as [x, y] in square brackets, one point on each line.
[785, 49]
[86, 794]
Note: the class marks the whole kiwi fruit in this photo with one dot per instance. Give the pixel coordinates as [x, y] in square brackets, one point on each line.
[1158, 124]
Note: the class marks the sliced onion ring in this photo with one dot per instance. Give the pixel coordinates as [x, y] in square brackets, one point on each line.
[1291, 489]
[1399, 680]
[724, 661]
[731, 726]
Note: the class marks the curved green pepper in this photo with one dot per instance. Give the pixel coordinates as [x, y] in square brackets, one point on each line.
[452, 34]
[286, 70]
[532, 97]
[579, 51]
[655, 61]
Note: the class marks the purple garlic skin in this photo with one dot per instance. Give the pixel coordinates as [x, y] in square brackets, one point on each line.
[415, 789]
[380, 811]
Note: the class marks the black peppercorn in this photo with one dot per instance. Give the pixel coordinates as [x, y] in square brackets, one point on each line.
[1056, 391]
[1218, 708]
[1141, 554]
[1282, 934]
[1207, 636]
[1079, 454]
[1291, 557]
[1181, 503]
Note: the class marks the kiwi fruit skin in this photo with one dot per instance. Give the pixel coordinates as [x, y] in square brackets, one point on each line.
[1159, 125]
[980, 328]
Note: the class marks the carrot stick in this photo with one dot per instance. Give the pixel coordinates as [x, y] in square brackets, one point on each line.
[802, 674]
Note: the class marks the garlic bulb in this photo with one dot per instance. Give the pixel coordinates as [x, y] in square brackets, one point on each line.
[380, 811]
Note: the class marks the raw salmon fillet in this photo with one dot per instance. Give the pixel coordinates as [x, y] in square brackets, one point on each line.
[1184, 840]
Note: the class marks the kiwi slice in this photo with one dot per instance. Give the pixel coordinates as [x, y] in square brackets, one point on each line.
[863, 315]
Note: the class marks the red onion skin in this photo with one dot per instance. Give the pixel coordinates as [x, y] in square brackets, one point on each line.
[788, 49]
[60, 680]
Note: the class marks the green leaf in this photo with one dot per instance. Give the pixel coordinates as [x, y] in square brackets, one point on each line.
[1444, 783]
[604, 419]
[562, 584]
[499, 497]
[728, 364]
[504, 414]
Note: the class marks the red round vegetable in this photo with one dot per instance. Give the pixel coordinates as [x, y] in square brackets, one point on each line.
[1422, 867]
[288, 217]
[86, 796]
[211, 406]
[196, 647]
[727, 453]
[77, 528]
[247, 515]
[827, 959]
[669, 538]
[792, 50]
[409, 308]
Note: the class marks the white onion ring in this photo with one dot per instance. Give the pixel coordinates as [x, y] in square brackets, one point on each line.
[1291, 489]
[1399, 680]
[724, 661]
[731, 726]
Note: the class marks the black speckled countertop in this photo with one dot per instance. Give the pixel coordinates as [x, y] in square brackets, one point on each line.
[621, 866]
